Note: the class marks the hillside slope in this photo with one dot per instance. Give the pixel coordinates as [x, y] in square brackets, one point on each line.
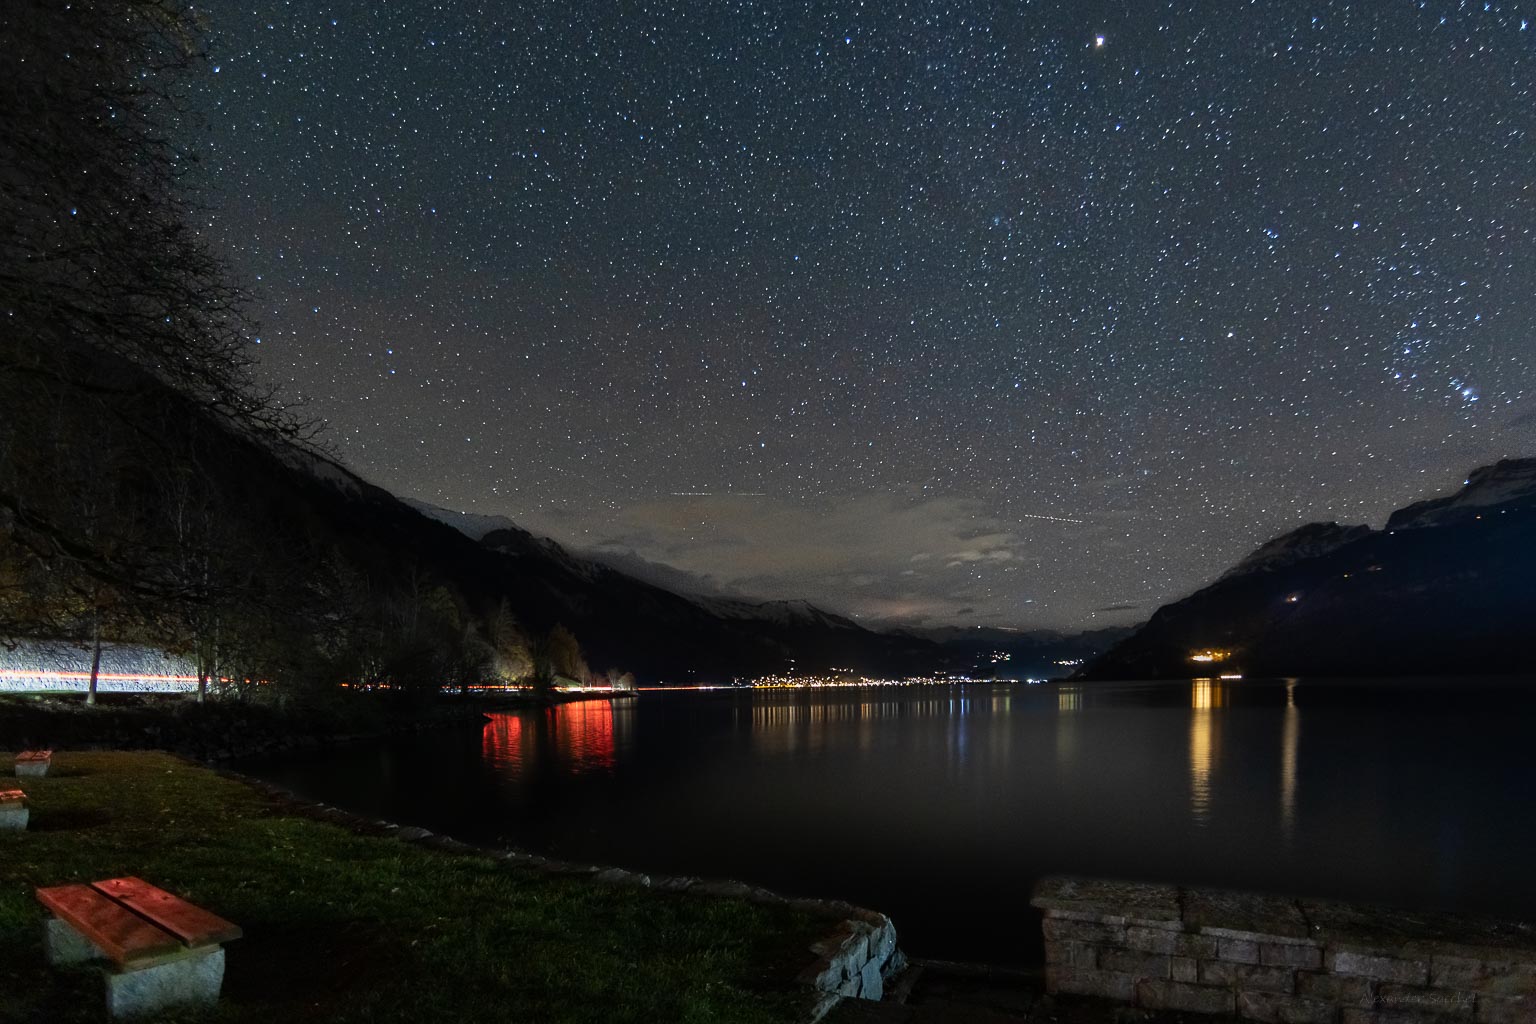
[1449, 586]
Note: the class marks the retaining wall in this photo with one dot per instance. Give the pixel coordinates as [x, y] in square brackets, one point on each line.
[1283, 961]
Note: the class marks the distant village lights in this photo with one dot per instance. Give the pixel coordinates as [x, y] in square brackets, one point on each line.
[1209, 656]
[798, 682]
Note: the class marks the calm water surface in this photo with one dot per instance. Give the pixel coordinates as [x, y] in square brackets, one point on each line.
[942, 805]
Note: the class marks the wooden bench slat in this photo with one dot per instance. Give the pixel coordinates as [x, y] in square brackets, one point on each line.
[192, 924]
[117, 931]
[12, 796]
[34, 755]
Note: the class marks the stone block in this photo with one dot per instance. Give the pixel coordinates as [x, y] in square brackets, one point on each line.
[1506, 1009]
[1375, 965]
[1176, 995]
[1362, 927]
[411, 833]
[872, 985]
[1160, 925]
[1169, 943]
[14, 816]
[1357, 1016]
[1247, 976]
[1279, 1008]
[1091, 916]
[823, 975]
[1237, 951]
[1249, 916]
[1151, 940]
[1072, 954]
[847, 948]
[31, 769]
[1470, 974]
[1143, 901]
[1449, 1004]
[193, 981]
[1184, 968]
[1339, 989]
[1289, 954]
[62, 944]
[1142, 965]
[1056, 930]
[883, 942]
[1080, 982]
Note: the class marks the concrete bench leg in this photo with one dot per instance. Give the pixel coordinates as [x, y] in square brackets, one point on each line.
[63, 945]
[191, 981]
[13, 816]
[193, 978]
[33, 768]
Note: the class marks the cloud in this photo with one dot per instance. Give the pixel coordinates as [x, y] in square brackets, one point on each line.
[875, 556]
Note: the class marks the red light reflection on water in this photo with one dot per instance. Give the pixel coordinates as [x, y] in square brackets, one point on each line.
[505, 740]
[584, 734]
[581, 734]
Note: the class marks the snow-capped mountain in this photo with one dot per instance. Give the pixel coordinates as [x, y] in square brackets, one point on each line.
[1446, 587]
[1504, 487]
[1305, 542]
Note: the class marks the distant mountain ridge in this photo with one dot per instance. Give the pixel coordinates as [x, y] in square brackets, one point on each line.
[724, 636]
[470, 524]
[1447, 586]
[1310, 541]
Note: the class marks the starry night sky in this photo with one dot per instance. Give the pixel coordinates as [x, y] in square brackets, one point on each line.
[1026, 314]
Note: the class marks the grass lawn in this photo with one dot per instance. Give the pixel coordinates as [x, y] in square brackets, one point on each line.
[343, 927]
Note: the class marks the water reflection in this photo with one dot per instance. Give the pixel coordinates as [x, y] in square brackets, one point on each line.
[1289, 740]
[505, 742]
[928, 802]
[1069, 698]
[582, 736]
[1205, 696]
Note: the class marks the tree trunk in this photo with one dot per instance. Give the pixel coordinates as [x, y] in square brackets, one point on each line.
[90, 694]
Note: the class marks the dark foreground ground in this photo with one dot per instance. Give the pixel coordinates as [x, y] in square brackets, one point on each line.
[346, 927]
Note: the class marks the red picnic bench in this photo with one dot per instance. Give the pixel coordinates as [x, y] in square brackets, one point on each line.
[162, 950]
[13, 809]
[33, 762]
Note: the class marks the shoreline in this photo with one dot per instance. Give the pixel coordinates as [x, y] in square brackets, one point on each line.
[215, 731]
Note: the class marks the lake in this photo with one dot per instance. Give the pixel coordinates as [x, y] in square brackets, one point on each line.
[940, 805]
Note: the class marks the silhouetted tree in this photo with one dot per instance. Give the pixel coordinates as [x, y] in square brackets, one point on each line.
[123, 333]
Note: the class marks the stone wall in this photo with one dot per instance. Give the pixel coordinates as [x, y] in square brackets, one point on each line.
[853, 962]
[1283, 961]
